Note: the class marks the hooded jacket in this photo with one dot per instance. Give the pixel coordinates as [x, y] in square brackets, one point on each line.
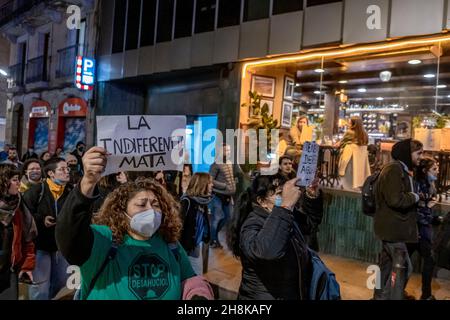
[396, 202]
[191, 207]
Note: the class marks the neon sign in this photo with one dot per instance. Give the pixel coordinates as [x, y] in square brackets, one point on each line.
[85, 73]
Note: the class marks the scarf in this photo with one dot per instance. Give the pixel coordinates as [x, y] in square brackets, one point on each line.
[55, 189]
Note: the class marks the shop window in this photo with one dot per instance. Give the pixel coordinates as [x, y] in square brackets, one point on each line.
[256, 9]
[120, 10]
[148, 23]
[284, 6]
[310, 3]
[205, 14]
[165, 21]
[229, 13]
[134, 10]
[183, 18]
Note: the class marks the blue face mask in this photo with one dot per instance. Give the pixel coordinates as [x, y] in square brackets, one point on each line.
[278, 201]
[431, 178]
[59, 182]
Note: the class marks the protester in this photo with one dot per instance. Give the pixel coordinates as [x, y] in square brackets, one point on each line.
[426, 175]
[395, 218]
[45, 202]
[30, 154]
[106, 185]
[59, 153]
[31, 174]
[194, 212]
[75, 170]
[264, 235]
[122, 177]
[354, 167]
[45, 156]
[286, 171]
[137, 226]
[4, 152]
[13, 158]
[78, 153]
[224, 189]
[17, 231]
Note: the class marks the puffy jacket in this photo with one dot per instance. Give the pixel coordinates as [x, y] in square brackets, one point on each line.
[275, 261]
[47, 206]
[396, 205]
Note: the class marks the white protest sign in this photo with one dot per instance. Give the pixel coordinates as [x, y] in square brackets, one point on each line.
[308, 164]
[142, 143]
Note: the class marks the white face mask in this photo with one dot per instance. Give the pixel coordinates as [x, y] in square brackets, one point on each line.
[146, 223]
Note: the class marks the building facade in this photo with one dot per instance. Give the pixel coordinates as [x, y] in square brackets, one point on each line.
[45, 110]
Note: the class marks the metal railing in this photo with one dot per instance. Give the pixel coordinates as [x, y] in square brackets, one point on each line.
[16, 73]
[13, 8]
[36, 70]
[66, 62]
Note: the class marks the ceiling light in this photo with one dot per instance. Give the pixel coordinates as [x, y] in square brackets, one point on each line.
[319, 70]
[414, 61]
[3, 72]
[317, 92]
[343, 81]
[380, 98]
[297, 84]
[441, 86]
[429, 75]
[395, 105]
[385, 76]
[322, 107]
[362, 90]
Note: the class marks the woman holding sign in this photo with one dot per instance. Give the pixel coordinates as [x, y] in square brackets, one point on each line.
[354, 167]
[264, 235]
[130, 251]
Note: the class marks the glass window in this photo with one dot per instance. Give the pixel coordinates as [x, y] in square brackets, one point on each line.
[229, 13]
[205, 14]
[134, 12]
[148, 23]
[165, 20]
[183, 18]
[310, 3]
[284, 6]
[120, 10]
[256, 9]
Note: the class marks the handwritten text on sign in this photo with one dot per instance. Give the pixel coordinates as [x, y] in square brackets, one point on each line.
[308, 164]
[142, 143]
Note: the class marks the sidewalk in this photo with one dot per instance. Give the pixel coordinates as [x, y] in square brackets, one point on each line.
[225, 273]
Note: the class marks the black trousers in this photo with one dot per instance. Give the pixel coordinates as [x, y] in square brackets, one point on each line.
[395, 267]
[424, 248]
[11, 291]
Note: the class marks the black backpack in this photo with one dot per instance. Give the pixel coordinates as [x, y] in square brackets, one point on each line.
[368, 194]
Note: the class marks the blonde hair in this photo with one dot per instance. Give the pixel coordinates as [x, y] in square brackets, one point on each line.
[198, 186]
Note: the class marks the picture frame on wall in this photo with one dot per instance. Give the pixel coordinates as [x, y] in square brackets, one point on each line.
[289, 85]
[269, 104]
[286, 115]
[264, 86]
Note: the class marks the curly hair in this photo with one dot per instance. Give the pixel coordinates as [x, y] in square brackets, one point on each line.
[7, 171]
[112, 211]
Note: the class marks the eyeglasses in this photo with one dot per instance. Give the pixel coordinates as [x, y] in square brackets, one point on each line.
[64, 169]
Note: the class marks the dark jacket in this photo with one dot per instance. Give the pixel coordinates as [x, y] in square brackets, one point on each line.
[223, 179]
[396, 205]
[275, 261]
[308, 214]
[191, 207]
[47, 206]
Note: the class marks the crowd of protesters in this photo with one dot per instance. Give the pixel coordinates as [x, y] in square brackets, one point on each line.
[58, 210]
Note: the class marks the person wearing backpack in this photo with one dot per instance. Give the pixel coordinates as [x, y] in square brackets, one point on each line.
[129, 250]
[194, 213]
[395, 218]
[45, 201]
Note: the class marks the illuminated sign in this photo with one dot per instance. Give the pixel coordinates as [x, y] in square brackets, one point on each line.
[85, 73]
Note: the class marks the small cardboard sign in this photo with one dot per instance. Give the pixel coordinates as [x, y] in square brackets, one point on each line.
[308, 164]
